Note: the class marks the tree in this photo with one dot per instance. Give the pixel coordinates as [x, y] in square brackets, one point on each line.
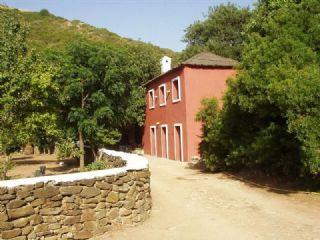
[25, 86]
[100, 94]
[222, 32]
[271, 112]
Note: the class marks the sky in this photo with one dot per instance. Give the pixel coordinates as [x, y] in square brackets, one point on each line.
[160, 22]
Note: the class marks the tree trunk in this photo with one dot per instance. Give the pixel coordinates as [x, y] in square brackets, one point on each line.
[81, 145]
[5, 167]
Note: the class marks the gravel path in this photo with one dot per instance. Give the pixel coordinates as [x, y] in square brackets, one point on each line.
[188, 204]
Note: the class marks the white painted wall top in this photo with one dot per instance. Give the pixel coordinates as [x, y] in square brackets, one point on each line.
[165, 64]
[133, 162]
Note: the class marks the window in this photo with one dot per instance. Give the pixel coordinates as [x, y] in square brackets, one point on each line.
[176, 91]
[162, 95]
[151, 98]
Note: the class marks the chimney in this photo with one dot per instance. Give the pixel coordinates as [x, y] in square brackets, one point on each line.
[165, 64]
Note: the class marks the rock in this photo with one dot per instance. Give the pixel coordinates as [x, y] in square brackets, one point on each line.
[129, 204]
[90, 226]
[124, 212]
[88, 182]
[6, 226]
[50, 219]
[46, 192]
[71, 190]
[54, 226]
[35, 220]
[90, 192]
[21, 222]
[56, 198]
[27, 230]
[3, 190]
[39, 185]
[113, 214]
[19, 238]
[72, 220]
[37, 202]
[4, 197]
[42, 228]
[69, 199]
[11, 233]
[101, 205]
[83, 235]
[90, 200]
[101, 214]
[88, 215]
[50, 211]
[103, 185]
[29, 199]
[113, 197]
[3, 217]
[20, 212]
[16, 204]
[32, 235]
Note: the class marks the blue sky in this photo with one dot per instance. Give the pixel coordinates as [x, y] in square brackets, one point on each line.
[160, 22]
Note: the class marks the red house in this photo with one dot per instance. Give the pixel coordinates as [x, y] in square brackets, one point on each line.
[173, 100]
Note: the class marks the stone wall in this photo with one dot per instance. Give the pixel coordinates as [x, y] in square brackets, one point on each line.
[77, 209]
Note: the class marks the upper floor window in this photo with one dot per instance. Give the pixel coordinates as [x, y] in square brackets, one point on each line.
[176, 90]
[151, 98]
[162, 95]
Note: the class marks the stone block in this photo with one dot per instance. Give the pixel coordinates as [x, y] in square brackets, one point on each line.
[11, 233]
[70, 190]
[46, 192]
[113, 197]
[90, 192]
[20, 212]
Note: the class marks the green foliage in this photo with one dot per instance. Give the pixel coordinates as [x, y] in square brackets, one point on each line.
[6, 166]
[26, 85]
[95, 166]
[221, 32]
[106, 162]
[271, 113]
[67, 149]
[44, 12]
[49, 31]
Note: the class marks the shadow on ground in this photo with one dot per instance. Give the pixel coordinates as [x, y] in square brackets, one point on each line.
[259, 179]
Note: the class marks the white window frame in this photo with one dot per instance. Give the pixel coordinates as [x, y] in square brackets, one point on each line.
[181, 141]
[151, 106]
[178, 91]
[166, 140]
[155, 140]
[164, 94]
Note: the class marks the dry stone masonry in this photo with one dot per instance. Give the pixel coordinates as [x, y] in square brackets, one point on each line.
[77, 209]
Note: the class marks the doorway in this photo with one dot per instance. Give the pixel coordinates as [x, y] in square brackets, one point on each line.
[178, 142]
[153, 140]
[164, 141]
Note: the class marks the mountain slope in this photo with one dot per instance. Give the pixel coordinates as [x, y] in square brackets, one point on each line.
[50, 31]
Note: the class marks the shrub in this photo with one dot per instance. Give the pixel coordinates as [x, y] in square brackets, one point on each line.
[6, 166]
[67, 149]
[106, 162]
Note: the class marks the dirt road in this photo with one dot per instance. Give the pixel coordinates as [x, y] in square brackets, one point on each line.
[188, 204]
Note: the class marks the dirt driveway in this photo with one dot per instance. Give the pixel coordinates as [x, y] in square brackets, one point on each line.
[188, 204]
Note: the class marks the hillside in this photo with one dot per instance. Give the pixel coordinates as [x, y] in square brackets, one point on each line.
[50, 31]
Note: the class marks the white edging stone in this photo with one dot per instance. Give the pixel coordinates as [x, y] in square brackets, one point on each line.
[133, 162]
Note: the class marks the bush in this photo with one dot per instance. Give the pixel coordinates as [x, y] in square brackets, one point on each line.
[106, 162]
[6, 166]
[67, 149]
[44, 12]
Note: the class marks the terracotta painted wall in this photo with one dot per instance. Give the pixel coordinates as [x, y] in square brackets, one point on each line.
[169, 114]
[201, 83]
